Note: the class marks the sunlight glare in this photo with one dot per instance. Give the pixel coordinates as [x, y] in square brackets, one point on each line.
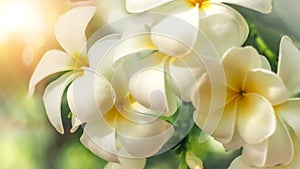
[18, 16]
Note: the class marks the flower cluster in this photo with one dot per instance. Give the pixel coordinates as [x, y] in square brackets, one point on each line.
[129, 84]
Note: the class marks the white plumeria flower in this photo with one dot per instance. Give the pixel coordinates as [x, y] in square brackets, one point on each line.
[224, 26]
[70, 33]
[257, 115]
[242, 162]
[247, 86]
[120, 105]
[287, 113]
[185, 59]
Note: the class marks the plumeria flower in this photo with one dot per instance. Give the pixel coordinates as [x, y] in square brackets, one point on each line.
[185, 59]
[247, 85]
[242, 162]
[70, 33]
[120, 105]
[224, 26]
[258, 110]
[287, 133]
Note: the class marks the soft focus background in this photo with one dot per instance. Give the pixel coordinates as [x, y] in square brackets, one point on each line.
[27, 140]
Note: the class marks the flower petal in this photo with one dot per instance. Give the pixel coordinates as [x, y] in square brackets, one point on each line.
[289, 113]
[99, 138]
[267, 84]
[263, 6]
[137, 6]
[134, 163]
[70, 29]
[133, 44]
[224, 27]
[265, 63]
[52, 62]
[111, 11]
[142, 140]
[256, 154]
[176, 42]
[90, 96]
[283, 154]
[225, 130]
[255, 119]
[237, 62]
[98, 51]
[209, 102]
[235, 143]
[240, 163]
[52, 99]
[288, 65]
[149, 88]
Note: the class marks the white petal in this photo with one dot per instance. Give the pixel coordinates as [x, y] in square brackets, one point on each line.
[149, 88]
[134, 163]
[111, 165]
[225, 130]
[52, 99]
[209, 102]
[265, 63]
[176, 42]
[237, 62]
[52, 62]
[111, 11]
[99, 138]
[289, 113]
[288, 65]
[143, 140]
[90, 96]
[136, 6]
[235, 143]
[264, 6]
[256, 154]
[283, 154]
[255, 118]
[224, 27]
[183, 78]
[98, 52]
[70, 29]
[133, 44]
[267, 84]
[126, 68]
[240, 163]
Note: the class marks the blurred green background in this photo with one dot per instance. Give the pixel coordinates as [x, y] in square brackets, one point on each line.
[27, 140]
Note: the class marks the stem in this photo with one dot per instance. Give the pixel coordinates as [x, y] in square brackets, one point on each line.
[263, 47]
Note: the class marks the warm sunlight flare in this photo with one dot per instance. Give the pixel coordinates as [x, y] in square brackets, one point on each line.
[19, 16]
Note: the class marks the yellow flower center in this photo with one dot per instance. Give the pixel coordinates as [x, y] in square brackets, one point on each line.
[201, 3]
[80, 61]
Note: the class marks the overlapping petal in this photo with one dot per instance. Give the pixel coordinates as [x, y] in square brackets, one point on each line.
[69, 33]
[90, 96]
[143, 140]
[289, 113]
[267, 84]
[256, 119]
[283, 154]
[52, 99]
[288, 64]
[148, 87]
[99, 137]
[224, 26]
[52, 62]
[264, 6]
[176, 42]
[226, 127]
[237, 62]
